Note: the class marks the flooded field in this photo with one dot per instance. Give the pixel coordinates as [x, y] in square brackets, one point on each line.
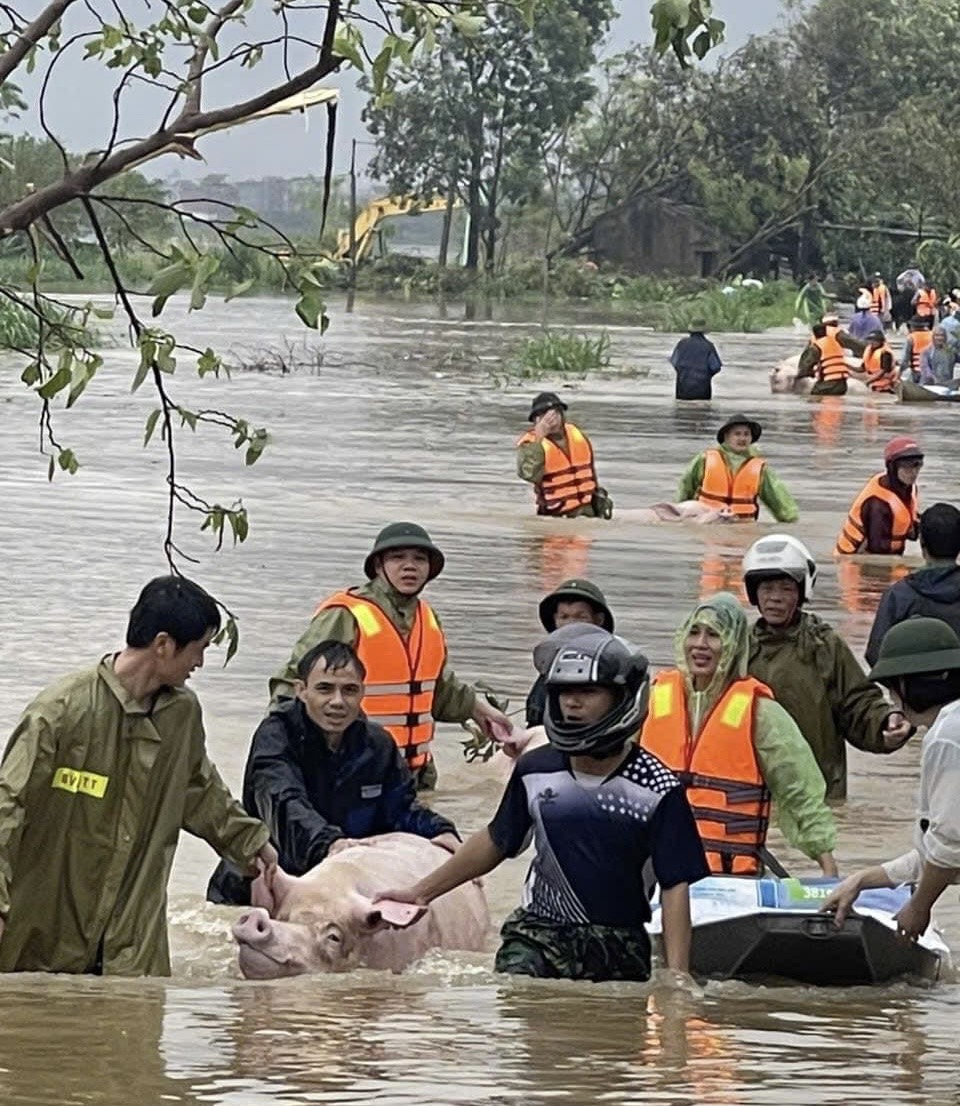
[403, 420]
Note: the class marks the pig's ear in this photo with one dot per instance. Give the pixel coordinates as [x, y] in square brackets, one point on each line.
[270, 890]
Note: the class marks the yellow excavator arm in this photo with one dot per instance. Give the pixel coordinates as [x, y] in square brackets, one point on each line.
[371, 216]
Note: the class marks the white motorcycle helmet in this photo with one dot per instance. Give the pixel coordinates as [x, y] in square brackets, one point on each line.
[775, 556]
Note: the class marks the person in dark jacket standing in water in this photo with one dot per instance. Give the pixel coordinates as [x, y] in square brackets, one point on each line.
[932, 591]
[321, 775]
[696, 362]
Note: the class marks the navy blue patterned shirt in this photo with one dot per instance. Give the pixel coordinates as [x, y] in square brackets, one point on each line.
[599, 849]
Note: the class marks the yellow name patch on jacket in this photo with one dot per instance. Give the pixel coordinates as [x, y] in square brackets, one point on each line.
[83, 783]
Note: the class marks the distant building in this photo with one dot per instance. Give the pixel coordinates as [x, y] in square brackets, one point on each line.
[652, 235]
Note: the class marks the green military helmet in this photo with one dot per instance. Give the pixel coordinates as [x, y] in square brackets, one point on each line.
[572, 590]
[404, 535]
[918, 645]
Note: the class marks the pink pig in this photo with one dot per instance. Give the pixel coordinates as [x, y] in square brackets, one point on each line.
[326, 921]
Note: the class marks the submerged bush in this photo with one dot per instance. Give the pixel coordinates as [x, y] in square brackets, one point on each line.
[557, 354]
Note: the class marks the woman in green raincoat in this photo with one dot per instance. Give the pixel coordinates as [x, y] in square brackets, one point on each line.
[735, 748]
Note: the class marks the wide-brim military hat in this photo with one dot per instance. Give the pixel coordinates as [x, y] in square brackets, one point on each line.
[572, 590]
[916, 646]
[740, 420]
[545, 401]
[404, 535]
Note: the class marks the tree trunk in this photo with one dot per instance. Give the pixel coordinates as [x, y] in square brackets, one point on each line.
[445, 231]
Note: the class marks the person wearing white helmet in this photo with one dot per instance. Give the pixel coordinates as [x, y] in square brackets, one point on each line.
[809, 667]
[864, 321]
[606, 819]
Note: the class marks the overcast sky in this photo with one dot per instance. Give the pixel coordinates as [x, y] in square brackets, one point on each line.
[80, 106]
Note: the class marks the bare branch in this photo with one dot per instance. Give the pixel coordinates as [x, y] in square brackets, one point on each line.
[194, 79]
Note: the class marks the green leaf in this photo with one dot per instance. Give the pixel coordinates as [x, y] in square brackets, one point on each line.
[347, 43]
[31, 374]
[170, 279]
[83, 373]
[701, 44]
[209, 362]
[150, 426]
[258, 443]
[187, 418]
[67, 461]
[467, 25]
[309, 309]
[231, 634]
[239, 289]
[60, 379]
[148, 349]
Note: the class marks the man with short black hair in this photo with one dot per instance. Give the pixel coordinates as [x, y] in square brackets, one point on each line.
[321, 775]
[932, 591]
[102, 772]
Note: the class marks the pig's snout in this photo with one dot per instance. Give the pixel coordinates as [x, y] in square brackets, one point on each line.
[253, 928]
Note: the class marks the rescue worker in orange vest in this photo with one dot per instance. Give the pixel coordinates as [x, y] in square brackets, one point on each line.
[736, 477]
[881, 300]
[557, 458]
[879, 362]
[735, 748]
[926, 304]
[825, 357]
[401, 644]
[919, 340]
[886, 514]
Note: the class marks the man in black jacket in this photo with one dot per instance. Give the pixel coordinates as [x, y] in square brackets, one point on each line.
[932, 591]
[321, 775]
[696, 362]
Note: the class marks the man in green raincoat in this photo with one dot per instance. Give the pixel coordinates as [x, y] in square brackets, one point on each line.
[102, 772]
[401, 563]
[810, 667]
[729, 484]
[711, 648]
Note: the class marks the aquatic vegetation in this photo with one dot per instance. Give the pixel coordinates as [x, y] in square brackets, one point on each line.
[558, 354]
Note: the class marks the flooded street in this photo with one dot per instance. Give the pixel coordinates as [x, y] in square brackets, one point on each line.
[403, 419]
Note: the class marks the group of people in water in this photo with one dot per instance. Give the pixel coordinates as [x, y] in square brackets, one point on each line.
[557, 458]
[642, 778]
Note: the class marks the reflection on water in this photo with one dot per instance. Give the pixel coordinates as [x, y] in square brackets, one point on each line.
[390, 427]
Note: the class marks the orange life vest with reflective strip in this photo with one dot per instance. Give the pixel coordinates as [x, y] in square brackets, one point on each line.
[872, 357]
[878, 300]
[920, 340]
[568, 482]
[720, 771]
[905, 518]
[926, 305]
[833, 362]
[402, 673]
[722, 488]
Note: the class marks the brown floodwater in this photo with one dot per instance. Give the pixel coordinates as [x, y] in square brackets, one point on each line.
[404, 418]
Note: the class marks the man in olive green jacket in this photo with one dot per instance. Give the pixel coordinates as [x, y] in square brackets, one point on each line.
[402, 562]
[809, 667]
[102, 772]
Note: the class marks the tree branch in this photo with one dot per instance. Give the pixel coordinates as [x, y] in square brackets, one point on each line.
[30, 36]
[194, 79]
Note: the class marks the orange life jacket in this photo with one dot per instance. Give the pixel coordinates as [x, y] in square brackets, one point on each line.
[926, 305]
[568, 482]
[720, 771]
[402, 673]
[905, 518]
[878, 299]
[833, 363]
[920, 340]
[872, 357]
[722, 488]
